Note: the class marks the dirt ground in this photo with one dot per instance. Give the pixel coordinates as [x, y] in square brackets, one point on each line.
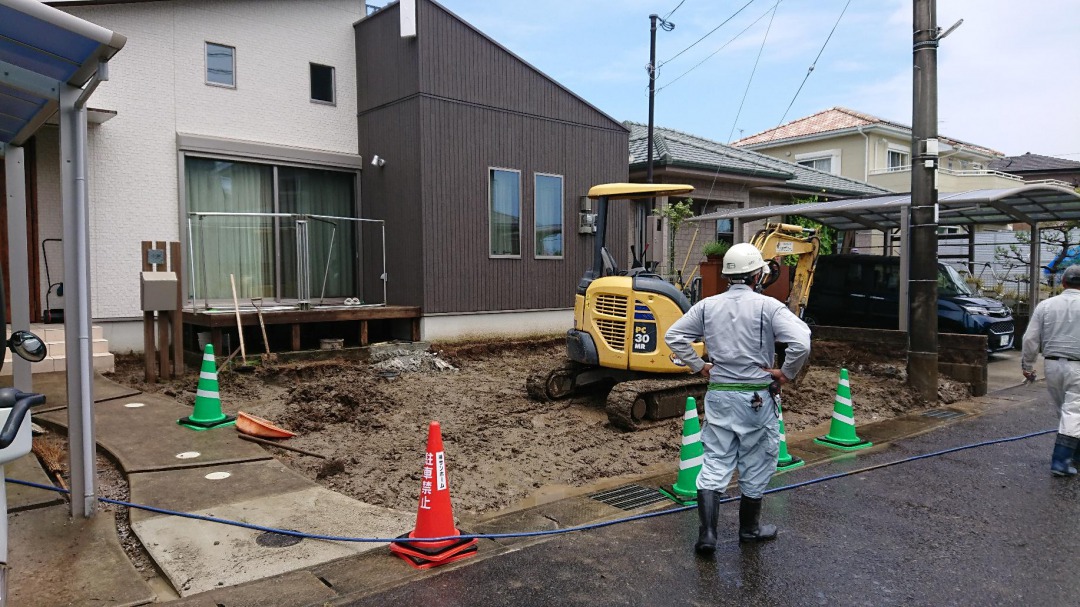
[370, 419]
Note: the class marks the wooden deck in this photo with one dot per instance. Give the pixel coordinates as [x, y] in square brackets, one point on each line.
[355, 322]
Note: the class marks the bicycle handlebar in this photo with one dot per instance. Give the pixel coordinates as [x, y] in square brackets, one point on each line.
[19, 402]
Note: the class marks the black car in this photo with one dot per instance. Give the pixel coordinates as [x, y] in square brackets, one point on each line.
[864, 291]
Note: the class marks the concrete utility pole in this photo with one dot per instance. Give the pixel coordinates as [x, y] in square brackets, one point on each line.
[644, 206]
[922, 365]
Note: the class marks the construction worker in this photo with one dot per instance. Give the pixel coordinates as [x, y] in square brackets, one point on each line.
[1054, 330]
[741, 328]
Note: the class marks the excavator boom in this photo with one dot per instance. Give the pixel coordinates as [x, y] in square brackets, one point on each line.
[783, 239]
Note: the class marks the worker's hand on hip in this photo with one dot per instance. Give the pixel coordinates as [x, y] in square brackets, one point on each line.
[777, 375]
[1029, 376]
[705, 370]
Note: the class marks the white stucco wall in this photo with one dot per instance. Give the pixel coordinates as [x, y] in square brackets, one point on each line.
[157, 87]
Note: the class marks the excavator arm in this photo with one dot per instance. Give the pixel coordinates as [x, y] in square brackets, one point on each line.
[783, 239]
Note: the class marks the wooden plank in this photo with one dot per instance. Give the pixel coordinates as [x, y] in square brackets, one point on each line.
[164, 368]
[363, 332]
[175, 264]
[296, 337]
[416, 329]
[150, 371]
[288, 317]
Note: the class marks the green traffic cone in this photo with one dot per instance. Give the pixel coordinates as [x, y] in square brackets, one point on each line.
[207, 412]
[691, 454]
[842, 429]
[786, 461]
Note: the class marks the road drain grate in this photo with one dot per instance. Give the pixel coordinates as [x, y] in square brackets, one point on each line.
[944, 414]
[628, 497]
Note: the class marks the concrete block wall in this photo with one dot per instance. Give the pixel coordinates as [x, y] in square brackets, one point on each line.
[960, 357]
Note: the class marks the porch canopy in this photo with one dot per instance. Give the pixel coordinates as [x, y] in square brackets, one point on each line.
[1033, 204]
[50, 63]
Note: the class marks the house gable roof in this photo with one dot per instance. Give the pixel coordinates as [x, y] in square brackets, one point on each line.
[678, 149]
[837, 121]
[1033, 162]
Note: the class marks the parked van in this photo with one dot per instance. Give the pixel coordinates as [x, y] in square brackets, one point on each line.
[864, 291]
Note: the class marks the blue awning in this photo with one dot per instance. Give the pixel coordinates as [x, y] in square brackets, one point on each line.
[42, 49]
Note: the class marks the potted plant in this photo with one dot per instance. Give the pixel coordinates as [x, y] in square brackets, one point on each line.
[714, 251]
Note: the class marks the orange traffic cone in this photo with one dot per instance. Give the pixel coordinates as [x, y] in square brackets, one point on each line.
[434, 515]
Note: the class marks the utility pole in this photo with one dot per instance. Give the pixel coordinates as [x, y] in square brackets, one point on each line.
[643, 206]
[922, 243]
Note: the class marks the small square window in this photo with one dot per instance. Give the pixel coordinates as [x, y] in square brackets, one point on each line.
[322, 83]
[220, 65]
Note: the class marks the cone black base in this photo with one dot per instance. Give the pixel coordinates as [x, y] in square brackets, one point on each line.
[793, 462]
[828, 442]
[187, 422]
[670, 493]
[419, 563]
[423, 550]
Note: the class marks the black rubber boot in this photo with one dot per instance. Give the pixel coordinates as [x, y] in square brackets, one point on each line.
[708, 508]
[750, 527]
[1064, 454]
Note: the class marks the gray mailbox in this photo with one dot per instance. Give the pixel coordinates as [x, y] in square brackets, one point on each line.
[158, 290]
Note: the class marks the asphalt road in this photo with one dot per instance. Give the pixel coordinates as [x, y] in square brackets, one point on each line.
[986, 526]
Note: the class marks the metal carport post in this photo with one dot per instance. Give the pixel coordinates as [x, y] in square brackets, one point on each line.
[51, 62]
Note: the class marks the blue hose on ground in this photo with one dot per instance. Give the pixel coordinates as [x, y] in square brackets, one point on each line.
[495, 536]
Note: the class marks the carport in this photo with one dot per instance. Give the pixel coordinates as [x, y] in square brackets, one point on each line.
[50, 64]
[1030, 204]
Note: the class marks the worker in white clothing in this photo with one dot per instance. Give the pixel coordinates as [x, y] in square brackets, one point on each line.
[740, 328]
[1054, 330]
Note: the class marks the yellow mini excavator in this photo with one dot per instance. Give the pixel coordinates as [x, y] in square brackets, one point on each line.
[620, 318]
[781, 240]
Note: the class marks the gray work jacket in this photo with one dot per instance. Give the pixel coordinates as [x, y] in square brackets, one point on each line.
[1054, 329]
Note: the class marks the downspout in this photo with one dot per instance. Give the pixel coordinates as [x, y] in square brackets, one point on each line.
[79, 353]
[866, 154]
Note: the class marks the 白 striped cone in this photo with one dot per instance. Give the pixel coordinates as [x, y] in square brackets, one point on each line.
[207, 412]
[786, 461]
[691, 454]
[842, 429]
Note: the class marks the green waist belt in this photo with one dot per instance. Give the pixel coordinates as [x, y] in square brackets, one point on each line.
[738, 387]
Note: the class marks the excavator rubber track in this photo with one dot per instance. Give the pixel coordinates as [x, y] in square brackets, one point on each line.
[555, 383]
[644, 403]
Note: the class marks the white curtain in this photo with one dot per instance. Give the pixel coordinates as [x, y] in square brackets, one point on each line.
[316, 192]
[242, 246]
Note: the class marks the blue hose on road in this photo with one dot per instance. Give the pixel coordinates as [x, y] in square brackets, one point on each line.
[497, 536]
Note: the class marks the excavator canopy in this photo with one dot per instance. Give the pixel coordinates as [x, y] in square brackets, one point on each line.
[634, 191]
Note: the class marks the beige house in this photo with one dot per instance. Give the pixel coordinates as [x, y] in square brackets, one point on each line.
[876, 151]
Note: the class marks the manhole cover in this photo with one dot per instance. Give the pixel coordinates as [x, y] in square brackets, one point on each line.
[270, 539]
[628, 497]
[944, 414]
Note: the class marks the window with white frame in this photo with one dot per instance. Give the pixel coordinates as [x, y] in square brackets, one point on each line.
[220, 65]
[504, 212]
[823, 160]
[898, 158]
[322, 83]
[549, 216]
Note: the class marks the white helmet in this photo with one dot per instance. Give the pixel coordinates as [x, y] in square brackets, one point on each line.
[743, 258]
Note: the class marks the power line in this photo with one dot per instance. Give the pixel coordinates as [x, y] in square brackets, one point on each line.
[747, 91]
[673, 10]
[733, 39]
[810, 71]
[711, 32]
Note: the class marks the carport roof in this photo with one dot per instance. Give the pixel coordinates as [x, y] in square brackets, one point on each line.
[42, 49]
[1030, 204]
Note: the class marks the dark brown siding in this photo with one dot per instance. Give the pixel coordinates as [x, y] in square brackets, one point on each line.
[461, 142]
[460, 63]
[441, 109]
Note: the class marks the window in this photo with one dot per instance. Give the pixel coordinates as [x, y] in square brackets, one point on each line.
[504, 212]
[220, 65]
[827, 161]
[261, 251]
[898, 160]
[549, 216]
[725, 231]
[322, 83]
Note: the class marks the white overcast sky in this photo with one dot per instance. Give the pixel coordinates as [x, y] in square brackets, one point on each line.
[1008, 77]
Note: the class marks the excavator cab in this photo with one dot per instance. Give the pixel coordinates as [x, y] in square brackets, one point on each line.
[620, 318]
